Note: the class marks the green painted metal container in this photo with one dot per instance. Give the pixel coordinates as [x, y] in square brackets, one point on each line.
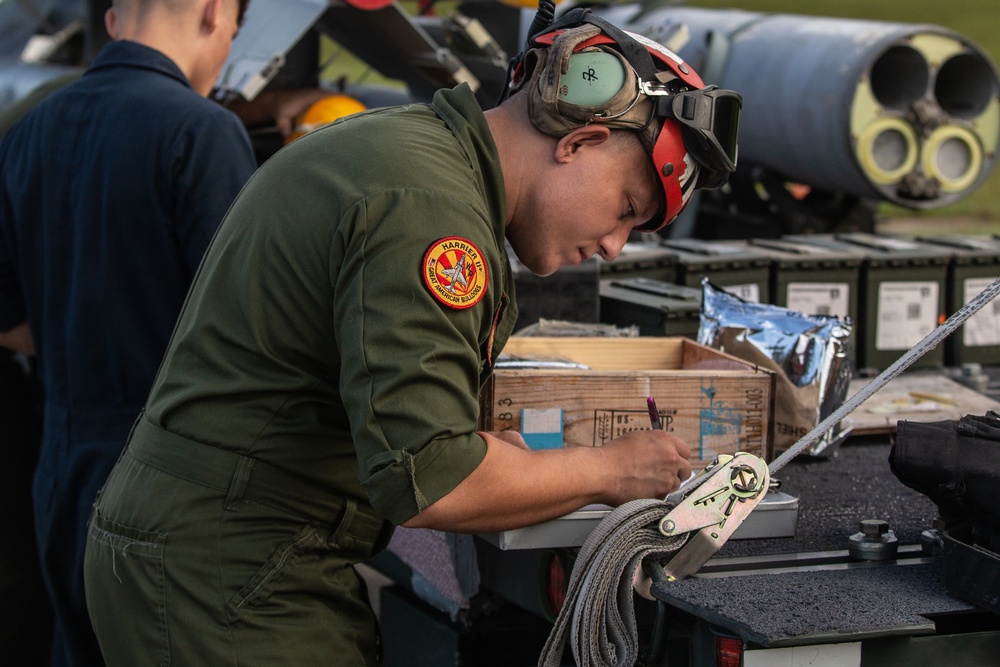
[640, 259]
[975, 264]
[656, 307]
[742, 271]
[903, 285]
[812, 279]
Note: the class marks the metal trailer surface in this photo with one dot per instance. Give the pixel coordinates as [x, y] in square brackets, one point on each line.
[789, 601]
[805, 600]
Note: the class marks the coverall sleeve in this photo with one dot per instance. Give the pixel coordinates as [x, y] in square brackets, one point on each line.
[411, 364]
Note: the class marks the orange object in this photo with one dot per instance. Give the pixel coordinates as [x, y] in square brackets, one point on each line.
[369, 5]
[323, 112]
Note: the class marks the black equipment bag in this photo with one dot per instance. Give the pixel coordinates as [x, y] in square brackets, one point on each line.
[957, 465]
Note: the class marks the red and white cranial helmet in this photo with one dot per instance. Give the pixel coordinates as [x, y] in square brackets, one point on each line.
[582, 70]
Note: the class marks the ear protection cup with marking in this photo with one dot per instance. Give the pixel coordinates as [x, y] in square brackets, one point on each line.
[581, 70]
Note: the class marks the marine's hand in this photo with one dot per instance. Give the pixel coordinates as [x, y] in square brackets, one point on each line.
[646, 464]
[18, 339]
[277, 106]
[515, 486]
[289, 104]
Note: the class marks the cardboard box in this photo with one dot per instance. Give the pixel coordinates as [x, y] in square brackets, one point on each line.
[715, 402]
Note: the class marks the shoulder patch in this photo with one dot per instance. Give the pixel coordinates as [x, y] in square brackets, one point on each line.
[455, 272]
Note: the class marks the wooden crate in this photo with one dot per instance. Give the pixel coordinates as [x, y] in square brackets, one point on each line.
[715, 402]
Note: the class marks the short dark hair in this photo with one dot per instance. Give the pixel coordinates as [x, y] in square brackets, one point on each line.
[243, 10]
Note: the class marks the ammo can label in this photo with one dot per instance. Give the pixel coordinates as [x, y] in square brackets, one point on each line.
[747, 291]
[907, 311]
[832, 299]
[983, 328]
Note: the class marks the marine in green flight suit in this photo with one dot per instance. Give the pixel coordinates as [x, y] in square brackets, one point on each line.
[311, 347]
[322, 381]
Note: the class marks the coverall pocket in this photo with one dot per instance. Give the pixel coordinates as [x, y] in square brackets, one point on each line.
[257, 590]
[124, 574]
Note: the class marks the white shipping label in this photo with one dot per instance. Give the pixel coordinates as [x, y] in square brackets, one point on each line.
[541, 421]
[542, 429]
[748, 292]
[907, 311]
[818, 655]
[831, 299]
[983, 328]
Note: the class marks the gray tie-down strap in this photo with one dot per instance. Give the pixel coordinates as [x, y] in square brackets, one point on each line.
[599, 608]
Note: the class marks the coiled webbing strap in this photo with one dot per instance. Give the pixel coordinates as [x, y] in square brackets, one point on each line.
[599, 610]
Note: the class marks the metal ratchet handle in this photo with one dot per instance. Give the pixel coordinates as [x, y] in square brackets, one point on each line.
[713, 510]
[928, 343]
[697, 480]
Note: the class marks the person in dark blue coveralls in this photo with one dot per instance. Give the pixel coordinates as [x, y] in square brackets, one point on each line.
[110, 190]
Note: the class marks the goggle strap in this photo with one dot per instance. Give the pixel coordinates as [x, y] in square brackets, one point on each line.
[635, 53]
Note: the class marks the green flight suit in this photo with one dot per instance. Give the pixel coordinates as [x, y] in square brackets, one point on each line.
[316, 391]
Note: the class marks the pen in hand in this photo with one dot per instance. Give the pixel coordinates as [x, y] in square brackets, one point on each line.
[654, 419]
[654, 414]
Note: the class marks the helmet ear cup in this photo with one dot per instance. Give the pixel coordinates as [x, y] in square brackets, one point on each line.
[570, 86]
[593, 79]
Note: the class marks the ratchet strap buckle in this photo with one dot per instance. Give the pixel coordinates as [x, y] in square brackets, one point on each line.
[710, 509]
